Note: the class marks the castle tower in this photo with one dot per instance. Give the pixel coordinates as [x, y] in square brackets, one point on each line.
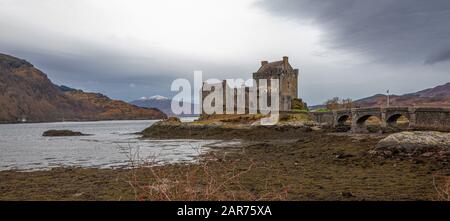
[288, 79]
[281, 70]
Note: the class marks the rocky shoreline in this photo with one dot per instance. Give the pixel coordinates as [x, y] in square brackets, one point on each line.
[409, 145]
[175, 129]
[308, 166]
[291, 161]
[214, 132]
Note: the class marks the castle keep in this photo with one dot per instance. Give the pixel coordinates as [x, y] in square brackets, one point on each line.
[288, 79]
[281, 70]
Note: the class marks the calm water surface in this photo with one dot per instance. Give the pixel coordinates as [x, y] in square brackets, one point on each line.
[112, 145]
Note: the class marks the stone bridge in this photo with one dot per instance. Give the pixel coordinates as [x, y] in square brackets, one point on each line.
[420, 118]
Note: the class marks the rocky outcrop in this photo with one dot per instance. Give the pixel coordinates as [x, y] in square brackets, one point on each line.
[62, 133]
[224, 131]
[425, 143]
[171, 121]
[27, 93]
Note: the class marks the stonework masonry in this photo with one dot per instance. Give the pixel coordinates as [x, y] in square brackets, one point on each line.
[420, 118]
[281, 70]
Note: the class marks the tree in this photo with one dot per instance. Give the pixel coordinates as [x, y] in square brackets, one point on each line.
[332, 104]
[347, 103]
[338, 103]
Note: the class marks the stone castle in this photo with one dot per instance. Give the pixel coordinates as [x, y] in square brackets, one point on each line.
[281, 70]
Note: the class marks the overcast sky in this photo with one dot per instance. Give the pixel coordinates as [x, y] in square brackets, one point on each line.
[134, 48]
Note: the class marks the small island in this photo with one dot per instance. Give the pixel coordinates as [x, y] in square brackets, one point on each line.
[63, 133]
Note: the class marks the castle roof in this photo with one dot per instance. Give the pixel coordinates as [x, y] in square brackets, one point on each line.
[274, 66]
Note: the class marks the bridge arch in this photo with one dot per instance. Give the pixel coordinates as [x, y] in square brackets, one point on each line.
[392, 119]
[343, 119]
[368, 123]
[343, 123]
[398, 121]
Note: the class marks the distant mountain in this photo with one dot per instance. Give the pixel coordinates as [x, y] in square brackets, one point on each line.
[156, 97]
[433, 97]
[162, 103]
[441, 93]
[27, 93]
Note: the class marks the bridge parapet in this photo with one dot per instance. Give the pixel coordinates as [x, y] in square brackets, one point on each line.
[420, 118]
[323, 117]
[427, 118]
[432, 109]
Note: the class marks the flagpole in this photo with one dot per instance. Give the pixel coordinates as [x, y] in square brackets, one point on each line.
[388, 98]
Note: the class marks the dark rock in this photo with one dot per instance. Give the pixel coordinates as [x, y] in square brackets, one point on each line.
[341, 155]
[342, 128]
[347, 194]
[418, 161]
[62, 133]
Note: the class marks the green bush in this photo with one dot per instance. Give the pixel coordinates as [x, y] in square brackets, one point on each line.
[298, 104]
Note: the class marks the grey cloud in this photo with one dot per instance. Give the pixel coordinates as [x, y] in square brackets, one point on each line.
[389, 31]
[111, 71]
[97, 67]
[100, 71]
[440, 56]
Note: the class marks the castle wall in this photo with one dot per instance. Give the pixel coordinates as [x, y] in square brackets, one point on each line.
[288, 83]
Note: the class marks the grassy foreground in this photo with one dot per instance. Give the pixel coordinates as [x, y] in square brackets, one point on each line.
[310, 166]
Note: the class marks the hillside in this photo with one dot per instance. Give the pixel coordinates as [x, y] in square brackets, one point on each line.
[115, 109]
[433, 97]
[438, 96]
[27, 93]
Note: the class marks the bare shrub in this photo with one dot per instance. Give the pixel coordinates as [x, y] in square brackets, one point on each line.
[204, 180]
[442, 186]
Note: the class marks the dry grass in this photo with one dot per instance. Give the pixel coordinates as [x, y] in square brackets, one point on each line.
[193, 182]
[442, 186]
[251, 118]
[229, 118]
[295, 117]
[373, 121]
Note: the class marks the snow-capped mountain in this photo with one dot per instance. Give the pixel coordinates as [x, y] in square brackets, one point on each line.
[160, 102]
[156, 97]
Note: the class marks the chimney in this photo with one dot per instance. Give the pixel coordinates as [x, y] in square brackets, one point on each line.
[264, 63]
[285, 60]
